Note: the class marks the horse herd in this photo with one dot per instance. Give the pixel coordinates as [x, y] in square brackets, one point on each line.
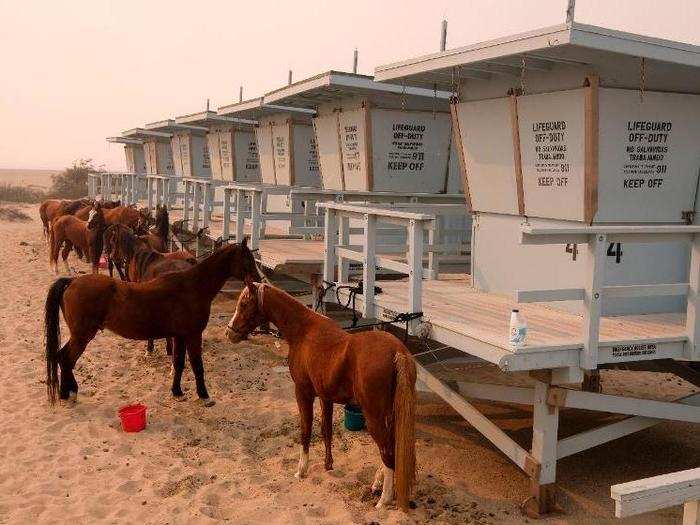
[168, 295]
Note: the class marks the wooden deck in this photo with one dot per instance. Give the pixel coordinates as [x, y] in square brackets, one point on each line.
[478, 323]
[292, 256]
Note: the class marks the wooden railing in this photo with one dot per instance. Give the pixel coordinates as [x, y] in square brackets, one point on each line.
[595, 240]
[660, 492]
[127, 187]
[422, 237]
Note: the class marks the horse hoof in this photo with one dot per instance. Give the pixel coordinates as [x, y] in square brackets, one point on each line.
[381, 504]
[73, 396]
[376, 491]
[299, 475]
[180, 397]
[207, 402]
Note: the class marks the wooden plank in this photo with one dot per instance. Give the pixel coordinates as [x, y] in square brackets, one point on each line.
[645, 290]
[692, 323]
[657, 492]
[590, 181]
[513, 100]
[624, 405]
[606, 433]
[369, 265]
[490, 431]
[369, 159]
[545, 296]
[691, 513]
[545, 426]
[330, 242]
[457, 138]
[592, 300]
[499, 393]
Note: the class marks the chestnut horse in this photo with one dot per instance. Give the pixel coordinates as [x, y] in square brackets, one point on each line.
[68, 232]
[52, 208]
[159, 239]
[84, 212]
[373, 369]
[174, 305]
[137, 220]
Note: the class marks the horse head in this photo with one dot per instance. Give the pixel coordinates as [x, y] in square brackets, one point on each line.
[96, 218]
[249, 312]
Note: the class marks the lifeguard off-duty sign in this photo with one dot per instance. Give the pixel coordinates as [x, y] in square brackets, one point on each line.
[648, 154]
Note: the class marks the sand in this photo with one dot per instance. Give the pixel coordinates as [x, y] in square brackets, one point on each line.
[235, 461]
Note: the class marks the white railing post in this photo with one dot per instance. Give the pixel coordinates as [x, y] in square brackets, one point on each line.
[186, 201]
[434, 237]
[263, 222]
[592, 300]
[195, 204]
[226, 214]
[206, 211]
[415, 268]
[692, 322]
[149, 193]
[370, 264]
[330, 240]
[240, 215]
[343, 240]
[255, 218]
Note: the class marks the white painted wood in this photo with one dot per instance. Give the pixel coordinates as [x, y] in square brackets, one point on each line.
[226, 214]
[693, 303]
[592, 301]
[330, 242]
[495, 435]
[344, 239]
[196, 198]
[255, 220]
[645, 290]
[597, 436]
[186, 201]
[500, 393]
[545, 296]
[240, 215]
[545, 426]
[629, 405]
[415, 265]
[657, 492]
[369, 268]
[691, 513]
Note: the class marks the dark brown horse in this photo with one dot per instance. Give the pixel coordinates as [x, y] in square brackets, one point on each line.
[137, 220]
[373, 369]
[68, 232]
[159, 239]
[52, 208]
[174, 305]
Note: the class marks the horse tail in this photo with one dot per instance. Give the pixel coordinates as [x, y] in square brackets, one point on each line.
[52, 333]
[404, 427]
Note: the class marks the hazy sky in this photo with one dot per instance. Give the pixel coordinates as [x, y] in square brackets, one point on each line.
[76, 71]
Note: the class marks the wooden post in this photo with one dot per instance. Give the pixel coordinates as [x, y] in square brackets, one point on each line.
[196, 197]
[368, 271]
[367, 115]
[263, 222]
[415, 268]
[692, 323]
[434, 238]
[226, 214]
[206, 205]
[691, 513]
[344, 240]
[186, 202]
[149, 193]
[590, 169]
[545, 427]
[255, 216]
[592, 300]
[240, 215]
[330, 241]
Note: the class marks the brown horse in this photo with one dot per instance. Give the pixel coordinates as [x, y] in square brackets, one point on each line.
[373, 369]
[52, 208]
[84, 212]
[159, 239]
[174, 305]
[68, 232]
[137, 220]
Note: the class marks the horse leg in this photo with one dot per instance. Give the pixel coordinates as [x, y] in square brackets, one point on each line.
[67, 246]
[169, 345]
[71, 352]
[327, 428]
[178, 367]
[194, 352]
[385, 441]
[55, 247]
[305, 402]
[149, 348]
[110, 267]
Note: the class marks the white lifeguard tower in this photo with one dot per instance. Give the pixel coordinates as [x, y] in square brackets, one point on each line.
[579, 150]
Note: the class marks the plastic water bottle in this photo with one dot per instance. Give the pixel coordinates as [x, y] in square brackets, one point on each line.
[518, 329]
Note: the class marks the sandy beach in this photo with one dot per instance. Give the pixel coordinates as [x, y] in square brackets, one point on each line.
[235, 461]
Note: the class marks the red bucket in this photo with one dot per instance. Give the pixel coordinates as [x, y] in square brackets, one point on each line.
[133, 418]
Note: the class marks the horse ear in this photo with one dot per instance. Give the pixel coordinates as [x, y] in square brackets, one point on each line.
[244, 242]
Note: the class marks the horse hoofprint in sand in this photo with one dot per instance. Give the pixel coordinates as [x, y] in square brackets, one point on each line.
[373, 369]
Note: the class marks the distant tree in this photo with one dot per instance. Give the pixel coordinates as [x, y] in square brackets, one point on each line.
[71, 183]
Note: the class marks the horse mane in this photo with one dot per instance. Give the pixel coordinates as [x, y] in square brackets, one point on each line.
[111, 204]
[70, 207]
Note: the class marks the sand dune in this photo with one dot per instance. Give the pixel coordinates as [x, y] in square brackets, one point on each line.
[235, 461]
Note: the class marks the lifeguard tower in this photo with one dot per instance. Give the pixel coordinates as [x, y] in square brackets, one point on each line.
[129, 185]
[580, 160]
